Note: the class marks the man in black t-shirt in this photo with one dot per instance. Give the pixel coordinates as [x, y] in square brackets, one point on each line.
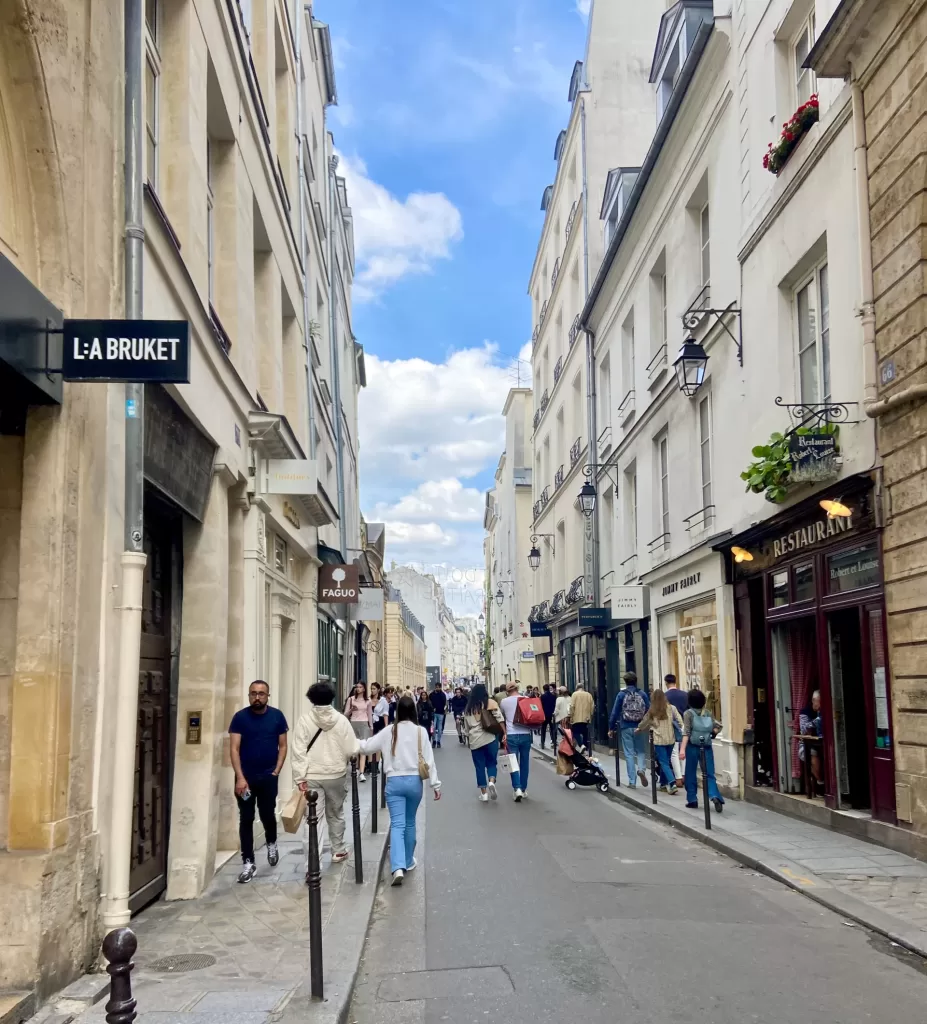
[257, 749]
[438, 700]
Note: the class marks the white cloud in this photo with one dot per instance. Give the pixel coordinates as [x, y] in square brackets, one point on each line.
[422, 536]
[436, 499]
[395, 237]
[584, 7]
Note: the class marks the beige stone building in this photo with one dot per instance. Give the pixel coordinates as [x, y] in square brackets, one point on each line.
[404, 651]
[247, 237]
[881, 47]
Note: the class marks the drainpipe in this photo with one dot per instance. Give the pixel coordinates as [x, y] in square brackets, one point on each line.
[336, 362]
[916, 392]
[115, 910]
[303, 240]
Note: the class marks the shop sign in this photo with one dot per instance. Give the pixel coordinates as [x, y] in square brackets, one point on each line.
[339, 584]
[143, 351]
[539, 629]
[369, 607]
[815, 533]
[291, 476]
[692, 580]
[814, 456]
[628, 602]
[596, 618]
[290, 515]
[527, 655]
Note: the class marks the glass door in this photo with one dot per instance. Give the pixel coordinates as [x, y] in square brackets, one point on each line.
[781, 704]
[882, 753]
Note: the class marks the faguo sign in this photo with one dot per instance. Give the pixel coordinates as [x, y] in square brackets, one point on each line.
[144, 351]
[339, 584]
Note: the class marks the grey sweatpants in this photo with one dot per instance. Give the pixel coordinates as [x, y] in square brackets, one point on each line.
[333, 792]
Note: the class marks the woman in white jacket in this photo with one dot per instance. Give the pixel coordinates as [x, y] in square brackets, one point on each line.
[403, 747]
[323, 743]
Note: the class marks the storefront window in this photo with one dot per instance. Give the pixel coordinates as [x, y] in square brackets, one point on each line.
[698, 653]
[853, 568]
[879, 681]
[779, 589]
[803, 581]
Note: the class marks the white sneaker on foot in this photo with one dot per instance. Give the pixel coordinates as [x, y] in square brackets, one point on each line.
[484, 798]
[492, 790]
[398, 876]
[519, 796]
[273, 855]
[413, 865]
[247, 871]
[362, 777]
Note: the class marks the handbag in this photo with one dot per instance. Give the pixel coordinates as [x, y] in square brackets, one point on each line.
[490, 723]
[424, 772]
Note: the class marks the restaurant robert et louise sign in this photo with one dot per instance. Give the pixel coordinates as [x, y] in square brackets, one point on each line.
[134, 351]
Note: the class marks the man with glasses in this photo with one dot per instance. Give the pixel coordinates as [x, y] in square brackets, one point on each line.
[257, 749]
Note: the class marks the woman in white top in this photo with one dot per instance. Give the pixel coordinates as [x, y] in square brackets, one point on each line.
[403, 747]
[380, 706]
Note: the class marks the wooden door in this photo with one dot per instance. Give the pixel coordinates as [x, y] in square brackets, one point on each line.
[151, 812]
[879, 713]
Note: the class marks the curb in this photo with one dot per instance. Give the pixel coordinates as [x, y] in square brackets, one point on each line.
[786, 872]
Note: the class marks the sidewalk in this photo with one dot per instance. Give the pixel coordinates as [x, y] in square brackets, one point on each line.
[873, 886]
[240, 953]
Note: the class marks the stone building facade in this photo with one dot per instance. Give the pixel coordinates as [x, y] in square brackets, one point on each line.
[881, 48]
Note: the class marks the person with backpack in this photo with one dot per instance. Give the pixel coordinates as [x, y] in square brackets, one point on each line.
[698, 730]
[582, 708]
[484, 727]
[517, 739]
[628, 711]
[664, 721]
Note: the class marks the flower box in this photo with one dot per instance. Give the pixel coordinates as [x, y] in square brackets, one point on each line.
[793, 131]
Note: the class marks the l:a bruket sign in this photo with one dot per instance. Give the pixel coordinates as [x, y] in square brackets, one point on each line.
[134, 351]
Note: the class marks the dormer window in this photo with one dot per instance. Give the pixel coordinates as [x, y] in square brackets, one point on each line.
[618, 186]
[576, 80]
[679, 27]
[546, 197]
[560, 143]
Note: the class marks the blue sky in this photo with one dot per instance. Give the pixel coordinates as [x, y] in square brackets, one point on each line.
[447, 117]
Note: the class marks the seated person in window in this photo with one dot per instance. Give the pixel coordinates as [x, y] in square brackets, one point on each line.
[811, 725]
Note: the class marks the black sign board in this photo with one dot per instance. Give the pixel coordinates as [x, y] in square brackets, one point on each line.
[539, 629]
[807, 449]
[598, 618]
[145, 351]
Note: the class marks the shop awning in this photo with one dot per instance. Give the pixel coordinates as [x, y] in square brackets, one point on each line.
[330, 556]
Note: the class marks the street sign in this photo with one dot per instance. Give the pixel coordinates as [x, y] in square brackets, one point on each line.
[369, 607]
[598, 618]
[135, 351]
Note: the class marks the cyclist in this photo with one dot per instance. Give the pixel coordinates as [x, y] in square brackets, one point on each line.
[458, 705]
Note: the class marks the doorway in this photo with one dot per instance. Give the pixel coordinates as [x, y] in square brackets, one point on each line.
[795, 678]
[848, 701]
[156, 709]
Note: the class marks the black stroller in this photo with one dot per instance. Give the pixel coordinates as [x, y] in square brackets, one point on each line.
[586, 770]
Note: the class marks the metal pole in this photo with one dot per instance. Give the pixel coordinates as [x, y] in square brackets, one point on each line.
[119, 947]
[618, 758]
[374, 773]
[653, 768]
[314, 882]
[355, 816]
[703, 762]
[383, 789]
[336, 360]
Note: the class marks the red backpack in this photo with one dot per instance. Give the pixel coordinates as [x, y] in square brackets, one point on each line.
[530, 712]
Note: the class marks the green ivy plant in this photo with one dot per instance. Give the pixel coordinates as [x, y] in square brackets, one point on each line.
[770, 473]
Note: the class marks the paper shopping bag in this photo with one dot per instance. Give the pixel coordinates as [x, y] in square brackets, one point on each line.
[294, 811]
[509, 762]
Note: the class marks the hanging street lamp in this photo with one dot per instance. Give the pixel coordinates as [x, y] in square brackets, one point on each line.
[690, 367]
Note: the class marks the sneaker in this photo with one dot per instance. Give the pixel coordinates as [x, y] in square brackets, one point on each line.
[642, 776]
[248, 871]
[518, 796]
[672, 791]
[398, 876]
[362, 777]
[491, 788]
[273, 854]
[694, 806]
[413, 865]
[339, 857]
[719, 806]
[484, 798]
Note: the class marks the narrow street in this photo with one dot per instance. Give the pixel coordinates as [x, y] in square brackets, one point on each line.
[570, 907]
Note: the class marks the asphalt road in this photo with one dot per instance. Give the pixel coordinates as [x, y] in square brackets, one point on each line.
[570, 908]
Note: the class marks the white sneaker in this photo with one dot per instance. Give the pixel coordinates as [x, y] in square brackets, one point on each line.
[519, 796]
[484, 798]
[492, 790]
[398, 876]
[362, 777]
[413, 865]
[248, 871]
[273, 855]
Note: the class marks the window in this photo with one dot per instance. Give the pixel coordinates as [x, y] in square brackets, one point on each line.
[779, 588]
[605, 394]
[152, 89]
[627, 354]
[664, 325]
[152, 12]
[630, 494]
[663, 523]
[805, 84]
[705, 247]
[704, 438]
[812, 304]
[210, 223]
[280, 559]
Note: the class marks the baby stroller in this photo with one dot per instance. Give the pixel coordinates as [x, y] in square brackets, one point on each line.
[586, 770]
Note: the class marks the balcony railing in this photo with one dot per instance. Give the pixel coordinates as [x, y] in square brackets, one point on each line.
[577, 591]
[657, 366]
[545, 400]
[537, 508]
[537, 418]
[558, 369]
[695, 314]
[574, 330]
[571, 219]
[543, 312]
[700, 520]
[575, 451]
[629, 568]
[558, 479]
[558, 603]
[555, 273]
[545, 496]
[626, 409]
[659, 544]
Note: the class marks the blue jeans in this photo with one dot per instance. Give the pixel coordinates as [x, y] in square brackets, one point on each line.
[581, 733]
[634, 745]
[520, 745]
[665, 763]
[692, 774]
[403, 795]
[484, 761]
[439, 729]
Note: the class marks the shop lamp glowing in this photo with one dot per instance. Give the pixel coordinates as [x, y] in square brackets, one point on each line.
[836, 509]
[741, 554]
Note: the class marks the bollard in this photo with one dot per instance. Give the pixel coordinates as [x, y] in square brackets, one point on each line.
[119, 947]
[703, 763]
[314, 882]
[618, 759]
[653, 768]
[374, 773]
[355, 815]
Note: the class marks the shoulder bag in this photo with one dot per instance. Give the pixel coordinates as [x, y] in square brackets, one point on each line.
[424, 771]
[490, 723]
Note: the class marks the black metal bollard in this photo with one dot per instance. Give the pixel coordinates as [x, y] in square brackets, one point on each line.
[374, 774]
[119, 947]
[653, 769]
[355, 815]
[314, 882]
[703, 763]
[618, 759]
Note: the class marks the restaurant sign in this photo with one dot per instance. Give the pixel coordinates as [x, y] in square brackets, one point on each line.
[814, 456]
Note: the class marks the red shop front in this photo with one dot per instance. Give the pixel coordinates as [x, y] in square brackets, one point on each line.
[810, 617]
